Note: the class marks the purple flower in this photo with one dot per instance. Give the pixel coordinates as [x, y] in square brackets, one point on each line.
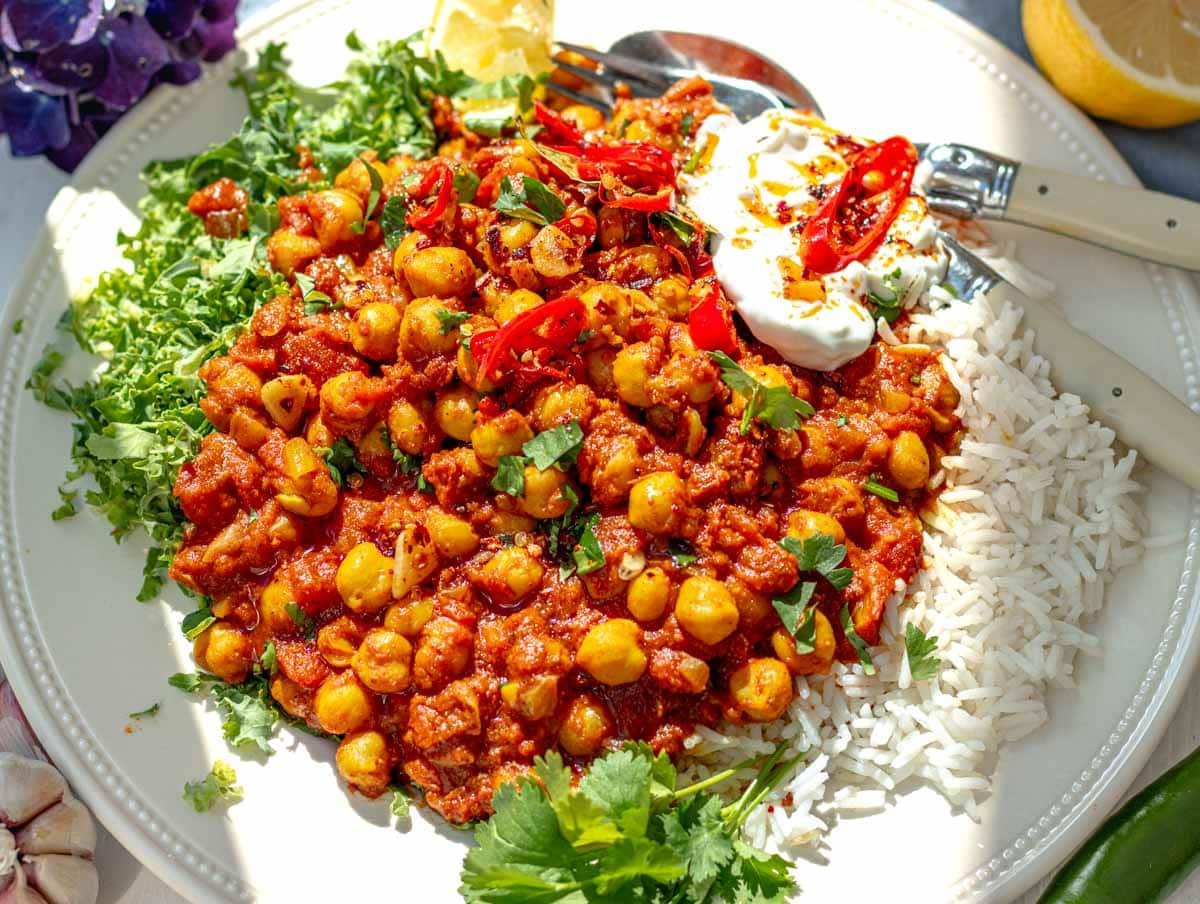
[210, 40]
[180, 72]
[78, 67]
[36, 25]
[171, 18]
[83, 138]
[215, 10]
[136, 53]
[35, 121]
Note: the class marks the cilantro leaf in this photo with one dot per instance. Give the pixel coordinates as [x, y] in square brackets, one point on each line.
[775, 406]
[196, 623]
[681, 553]
[557, 446]
[267, 660]
[219, 784]
[314, 300]
[394, 221]
[341, 460]
[148, 712]
[300, 618]
[510, 475]
[922, 663]
[797, 615]
[683, 229]
[400, 802]
[466, 183]
[451, 320]
[619, 784]
[860, 645]
[887, 303]
[820, 553]
[532, 201]
[587, 554]
[373, 196]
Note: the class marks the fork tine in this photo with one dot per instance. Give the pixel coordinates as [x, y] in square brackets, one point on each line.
[603, 106]
[603, 77]
[624, 66]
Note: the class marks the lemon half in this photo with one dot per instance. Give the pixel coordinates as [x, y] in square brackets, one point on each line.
[1133, 61]
[490, 39]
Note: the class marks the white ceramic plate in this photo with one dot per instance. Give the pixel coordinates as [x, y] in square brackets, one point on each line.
[82, 653]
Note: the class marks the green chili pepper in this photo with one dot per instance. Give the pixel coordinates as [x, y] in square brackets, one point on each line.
[1142, 852]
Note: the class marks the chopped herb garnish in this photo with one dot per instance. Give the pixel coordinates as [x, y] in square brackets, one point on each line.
[17, 326]
[532, 201]
[883, 492]
[466, 183]
[341, 460]
[798, 614]
[693, 161]
[557, 446]
[148, 712]
[842, 421]
[915, 379]
[219, 784]
[510, 475]
[685, 124]
[249, 710]
[587, 554]
[923, 664]
[887, 302]
[684, 230]
[950, 290]
[196, 623]
[400, 802]
[372, 198]
[822, 554]
[860, 645]
[451, 320]
[301, 618]
[681, 553]
[267, 662]
[314, 301]
[775, 406]
[394, 221]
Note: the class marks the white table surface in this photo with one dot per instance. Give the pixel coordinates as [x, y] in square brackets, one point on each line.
[26, 189]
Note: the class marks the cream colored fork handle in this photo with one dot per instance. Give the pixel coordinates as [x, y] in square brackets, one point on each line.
[1144, 415]
[1143, 223]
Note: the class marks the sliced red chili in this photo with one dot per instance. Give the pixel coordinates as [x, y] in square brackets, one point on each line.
[431, 196]
[550, 329]
[710, 321]
[635, 175]
[853, 220]
[557, 128]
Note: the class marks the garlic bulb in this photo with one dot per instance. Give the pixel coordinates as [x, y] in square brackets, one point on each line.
[47, 837]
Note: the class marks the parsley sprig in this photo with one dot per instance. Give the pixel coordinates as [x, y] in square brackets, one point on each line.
[557, 447]
[626, 832]
[219, 784]
[775, 406]
[822, 555]
[923, 663]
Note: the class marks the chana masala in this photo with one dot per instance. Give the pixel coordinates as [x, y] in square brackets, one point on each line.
[499, 475]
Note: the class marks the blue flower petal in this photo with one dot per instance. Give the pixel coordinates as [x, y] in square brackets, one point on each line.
[172, 18]
[35, 122]
[37, 25]
[136, 53]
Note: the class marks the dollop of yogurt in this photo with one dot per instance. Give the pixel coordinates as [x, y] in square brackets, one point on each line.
[756, 184]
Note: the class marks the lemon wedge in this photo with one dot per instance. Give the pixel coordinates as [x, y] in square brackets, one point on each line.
[491, 39]
[1133, 61]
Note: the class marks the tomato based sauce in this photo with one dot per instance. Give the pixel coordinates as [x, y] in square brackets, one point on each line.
[461, 567]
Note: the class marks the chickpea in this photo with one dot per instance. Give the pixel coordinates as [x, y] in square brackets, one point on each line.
[583, 117]
[364, 579]
[516, 234]
[453, 536]
[544, 497]
[762, 689]
[533, 698]
[455, 412]
[341, 704]
[376, 331]
[355, 178]
[670, 296]
[586, 727]
[893, 401]
[500, 436]
[632, 368]
[273, 607]
[613, 478]
[444, 272]
[347, 398]
[657, 503]
[421, 329]
[610, 652]
[510, 574]
[559, 404]
[286, 397]
[384, 661]
[607, 304]
[317, 432]
[706, 609]
[408, 618]
[225, 651]
[409, 245]
[443, 653]
[638, 130]
[374, 444]
[599, 364]
[288, 252]
[296, 700]
[819, 660]
[362, 760]
[335, 213]
[503, 522]
[908, 461]
[515, 303]
[804, 524]
[338, 640]
[649, 594]
[408, 426]
[248, 429]
[753, 607]
[553, 253]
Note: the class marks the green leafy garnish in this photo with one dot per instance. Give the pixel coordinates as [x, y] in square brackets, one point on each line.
[860, 645]
[196, 623]
[685, 124]
[394, 221]
[681, 553]
[372, 198]
[341, 460]
[923, 664]
[510, 475]
[587, 554]
[532, 201]
[400, 803]
[820, 553]
[451, 320]
[466, 183]
[301, 619]
[267, 661]
[876, 488]
[775, 406]
[148, 712]
[250, 717]
[887, 302]
[683, 229]
[557, 446]
[799, 615]
[625, 833]
[219, 784]
[314, 300]
[18, 326]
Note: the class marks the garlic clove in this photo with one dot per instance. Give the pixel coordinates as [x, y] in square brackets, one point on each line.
[19, 892]
[63, 879]
[66, 828]
[27, 787]
[8, 857]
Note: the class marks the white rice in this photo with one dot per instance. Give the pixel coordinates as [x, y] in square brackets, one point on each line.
[1038, 512]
